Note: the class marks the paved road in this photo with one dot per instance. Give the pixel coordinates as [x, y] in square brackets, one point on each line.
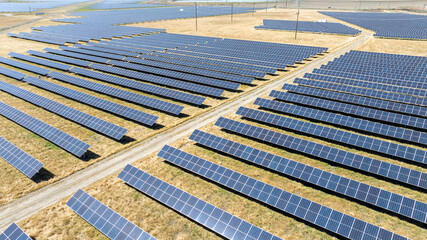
[32, 203]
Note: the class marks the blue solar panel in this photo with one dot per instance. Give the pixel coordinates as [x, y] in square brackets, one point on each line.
[363, 77]
[93, 53]
[120, 48]
[345, 121]
[14, 232]
[77, 116]
[332, 134]
[371, 85]
[366, 164]
[119, 54]
[54, 135]
[37, 39]
[364, 92]
[307, 26]
[103, 218]
[360, 100]
[222, 69]
[122, 94]
[40, 61]
[211, 217]
[60, 58]
[388, 25]
[209, 91]
[77, 55]
[302, 208]
[24, 66]
[192, 70]
[151, 89]
[22, 161]
[357, 190]
[12, 74]
[178, 75]
[364, 112]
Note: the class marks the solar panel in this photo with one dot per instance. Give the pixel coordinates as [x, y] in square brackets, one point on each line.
[308, 26]
[211, 217]
[178, 75]
[22, 161]
[364, 92]
[205, 90]
[206, 66]
[37, 39]
[363, 77]
[371, 85]
[364, 112]
[24, 66]
[360, 100]
[77, 116]
[54, 135]
[332, 134]
[40, 61]
[345, 121]
[365, 164]
[107, 50]
[14, 232]
[120, 48]
[60, 58]
[302, 208]
[103, 218]
[122, 94]
[93, 53]
[151, 89]
[77, 55]
[192, 70]
[12, 74]
[357, 190]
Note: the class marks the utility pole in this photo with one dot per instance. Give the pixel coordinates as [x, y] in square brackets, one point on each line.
[231, 11]
[296, 26]
[253, 8]
[196, 13]
[266, 5]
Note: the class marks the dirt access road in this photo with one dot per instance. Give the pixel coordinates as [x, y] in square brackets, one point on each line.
[32, 203]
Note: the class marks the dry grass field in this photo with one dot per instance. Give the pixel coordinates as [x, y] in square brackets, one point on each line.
[7, 20]
[59, 222]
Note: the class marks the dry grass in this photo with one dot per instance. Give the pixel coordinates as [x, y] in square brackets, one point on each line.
[407, 47]
[8, 20]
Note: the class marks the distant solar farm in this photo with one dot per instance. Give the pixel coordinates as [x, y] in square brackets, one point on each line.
[131, 126]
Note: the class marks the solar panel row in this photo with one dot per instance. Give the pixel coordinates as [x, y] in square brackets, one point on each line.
[371, 85]
[151, 89]
[77, 55]
[54, 135]
[364, 92]
[103, 218]
[72, 114]
[122, 94]
[359, 111]
[40, 61]
[314, 213]
[354, 189]
[192, 87]
[73, 61]
[345, 121]
[211, 217]
[360, 100]
[37, 39]
[21, 160]
[366, 164]
[332, 134]
[24, 66]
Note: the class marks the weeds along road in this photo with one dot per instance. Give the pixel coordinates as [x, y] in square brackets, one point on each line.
[34, 202]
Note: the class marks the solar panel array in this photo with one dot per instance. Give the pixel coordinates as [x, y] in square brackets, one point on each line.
[332, 134]
[14, 232]
[312, 212]
[103, 218]
[346, 158]
[54, 135]
[359, 191]
[21, 160]
[211, 217]
[72, 114]
[307, 26]
[387, 25]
